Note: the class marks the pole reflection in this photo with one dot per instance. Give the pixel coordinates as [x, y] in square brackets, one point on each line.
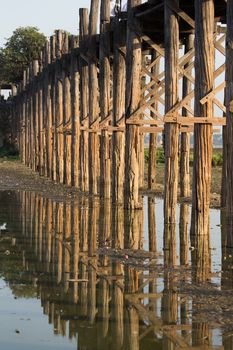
[99, 283]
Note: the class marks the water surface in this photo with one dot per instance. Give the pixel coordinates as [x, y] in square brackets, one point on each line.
[85, 275]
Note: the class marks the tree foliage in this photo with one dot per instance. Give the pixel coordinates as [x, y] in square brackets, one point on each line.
[21, 48]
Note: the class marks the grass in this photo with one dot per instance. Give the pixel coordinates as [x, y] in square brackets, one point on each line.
[217, 160]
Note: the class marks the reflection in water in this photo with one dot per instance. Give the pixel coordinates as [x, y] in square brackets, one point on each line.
[98, 283]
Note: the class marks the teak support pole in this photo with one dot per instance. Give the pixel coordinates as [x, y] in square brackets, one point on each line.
[171, 32]
[93, 99]
[53, 108]
[229, 115]
[35, 115]
[118, 138]
[105, 96]
[75, 113]
[84, 104]
[65, 126]
[41, 128]
[204, 79]
[132, 103]
[59, 110]
[66, 131]
[48, 120]
[185, 136]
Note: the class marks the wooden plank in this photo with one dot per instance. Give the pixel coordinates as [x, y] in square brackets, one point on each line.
[194, 120]
[212, 94]
[152, 44]
[182, 14]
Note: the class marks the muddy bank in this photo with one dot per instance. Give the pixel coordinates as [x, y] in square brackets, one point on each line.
[215, 186]
[15, 176]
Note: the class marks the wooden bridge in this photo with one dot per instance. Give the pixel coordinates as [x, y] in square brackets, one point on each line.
[82, 110]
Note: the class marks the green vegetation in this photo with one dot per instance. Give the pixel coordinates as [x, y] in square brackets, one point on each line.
[217, 158]
[21, 48]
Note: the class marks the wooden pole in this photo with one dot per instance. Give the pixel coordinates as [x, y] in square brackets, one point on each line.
[93, 99]
[59, 110]
[105, 97]
[132, 103]
[53, 109]
[118, 138]
[75, 113]
[152, 225]
[185, 136]
[66, 113]
[84, 104]
[35, 112]
[41, 130]
[67, 133]
[48, 121]
[171, 32]
[229, 116]
[184, 234]
[141, 132]
[204, 79]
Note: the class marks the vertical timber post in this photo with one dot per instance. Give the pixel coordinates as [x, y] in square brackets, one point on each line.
[132, 104]
[59, 110]
[49, 112]
[35, 114]
[75, 113]
[185, 136]
[93, 100]
[204, 79]
[84, 105]
[66, 112]
[104, 84]
[171, 97]
[118, 138]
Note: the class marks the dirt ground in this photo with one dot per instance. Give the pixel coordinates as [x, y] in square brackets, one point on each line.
[215, 185]
[15, 176]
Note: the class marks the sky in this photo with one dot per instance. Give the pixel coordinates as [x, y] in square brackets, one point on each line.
[47, 15]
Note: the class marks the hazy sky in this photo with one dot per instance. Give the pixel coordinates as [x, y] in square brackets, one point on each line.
[47, 15]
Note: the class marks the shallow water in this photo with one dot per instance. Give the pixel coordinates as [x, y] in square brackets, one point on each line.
[80, 275]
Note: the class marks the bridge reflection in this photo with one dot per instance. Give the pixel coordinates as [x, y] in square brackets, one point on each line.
[101, 283]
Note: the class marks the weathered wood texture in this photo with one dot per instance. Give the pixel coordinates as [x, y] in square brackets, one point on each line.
[185, 137]
[93, 115]
[132, 104]
[84, 104]
[59, 110]
[74, 127]
[171, 32]
[204, 79]
[105, 98]
[118, 138]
